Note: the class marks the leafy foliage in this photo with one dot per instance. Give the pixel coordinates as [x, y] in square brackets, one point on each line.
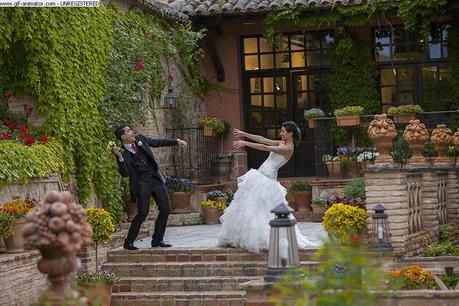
[299, 186]
[99, 277]
[178, 184]
[6, 224]
[101, 224]
[211, 203]
[404, 109]
[412, 277]
[355, 188]
[342, 221]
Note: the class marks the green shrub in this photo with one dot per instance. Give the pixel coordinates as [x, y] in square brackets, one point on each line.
[298, 186]
[6, 224]
[355, 188]
[404, 109]
[349, 110]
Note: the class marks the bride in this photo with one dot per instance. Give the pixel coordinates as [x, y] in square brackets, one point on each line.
[245, 223]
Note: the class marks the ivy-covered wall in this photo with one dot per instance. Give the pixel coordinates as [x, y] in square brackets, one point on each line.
[89, 70]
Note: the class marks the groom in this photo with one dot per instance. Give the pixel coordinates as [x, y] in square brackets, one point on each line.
[145, 180]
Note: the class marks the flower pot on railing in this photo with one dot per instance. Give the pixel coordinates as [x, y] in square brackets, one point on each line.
[312, 123]
[14, 242]
[404, 118]
[311, 115]
[351, 120]
[209, 131]
[404, 113]
[180, 202]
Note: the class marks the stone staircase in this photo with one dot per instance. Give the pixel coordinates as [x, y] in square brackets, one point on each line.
[186, 276]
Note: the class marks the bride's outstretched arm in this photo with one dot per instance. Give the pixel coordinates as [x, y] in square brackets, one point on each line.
[257, 138]
[239, 144]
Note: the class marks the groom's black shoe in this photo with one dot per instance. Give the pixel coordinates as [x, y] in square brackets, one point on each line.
[161, 244]
[130, 246]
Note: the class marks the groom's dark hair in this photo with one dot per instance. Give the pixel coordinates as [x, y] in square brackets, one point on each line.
[120, 131]
[293, 128]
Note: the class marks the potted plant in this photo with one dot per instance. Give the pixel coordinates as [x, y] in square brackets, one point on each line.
[222, 165]
[212, 126]
[348, 161]
[348, 116]
[17, 210]
[302, 194]
[97, 286]
[102, 226]
[218, 196]
[180, 190]
[6, 226]
[311, 114]
[412, 277]
[367, 157]
[342, 221]
[404, 113]
[332, 163]
[319, 206]
[212, 211]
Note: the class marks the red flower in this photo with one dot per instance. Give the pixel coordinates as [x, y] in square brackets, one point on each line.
[43, 139]
[27, 108]
[5, 136]
[22, 128]
[10, 124]
[22, 135]
[29, 141]
[138, 65]
[7, 95]
[170, 77]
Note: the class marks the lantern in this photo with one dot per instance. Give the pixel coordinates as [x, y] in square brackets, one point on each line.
[380, 235]
[283, 252]
[170, 100]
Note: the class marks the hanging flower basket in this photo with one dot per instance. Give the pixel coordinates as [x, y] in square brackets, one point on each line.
[352, 120]
[312, 123]
[404, 113]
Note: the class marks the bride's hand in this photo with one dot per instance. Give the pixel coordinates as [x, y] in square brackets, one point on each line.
[238, 133]
[238, 144]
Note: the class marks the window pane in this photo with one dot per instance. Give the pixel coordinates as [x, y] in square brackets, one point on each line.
[282, 60]
[313, 40]
[313, 58]
[302, 83]
[429, 74]
[281, 84]
[255, 100]
[257, 119]
[297, 42]
[268, 101]
[251, 62]
[326, 58]
[445, 50]
[387, 77]
[405, 75]
[314, 82]
[266, 61]
[282, 117]
[405, 95]
[417, 50]
[298, 59]
[255, 85]
[269, 118]
[388, 95]
[445, 75]
[265, 46]
[383, 53]
[382, 37]
[281, 101]
[281, 43]
[250, 45]
[401, 52]
[430, 92]
[434, 50]
[268, 85]
[302, 100]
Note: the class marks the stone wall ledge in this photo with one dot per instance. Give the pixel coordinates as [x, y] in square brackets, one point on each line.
[409, 169]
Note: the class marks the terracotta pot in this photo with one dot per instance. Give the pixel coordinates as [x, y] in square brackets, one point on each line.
[131, 210]
[180, 202]
[417, 148]
[302, 200]
[211, 215]
[351, 120]
[312, 123]
[15, 243]
[351, 172]
[223, 200]
[383, 143]
[334, 169]
[318, 212]
[405, 118]
[209, 131]
[99, 294]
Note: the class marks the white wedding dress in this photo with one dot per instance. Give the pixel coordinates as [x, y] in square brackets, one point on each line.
[245, 223]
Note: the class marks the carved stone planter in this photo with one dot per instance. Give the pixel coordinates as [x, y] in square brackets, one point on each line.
[416, 135]
[382, 132]
[441, 138]
[180, 202]
[456, 140]
[14, 243]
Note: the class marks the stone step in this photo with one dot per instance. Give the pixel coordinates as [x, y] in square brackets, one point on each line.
[196, 269]
[193, 254]
[179, 284]
[181, 298]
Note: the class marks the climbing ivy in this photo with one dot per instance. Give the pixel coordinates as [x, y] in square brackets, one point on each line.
[89, 69]
[453, 57]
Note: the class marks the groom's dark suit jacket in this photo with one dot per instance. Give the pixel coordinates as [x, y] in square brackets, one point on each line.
[142, 167]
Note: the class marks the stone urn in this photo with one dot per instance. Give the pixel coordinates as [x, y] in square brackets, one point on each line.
[382, 132]
[441, 137]
[180, 202]
[57, 228]
[416, 135]
[14, 243]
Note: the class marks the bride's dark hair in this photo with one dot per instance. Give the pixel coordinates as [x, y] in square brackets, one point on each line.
[292, 127]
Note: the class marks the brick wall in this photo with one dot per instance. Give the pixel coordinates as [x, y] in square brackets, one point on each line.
[393, 187]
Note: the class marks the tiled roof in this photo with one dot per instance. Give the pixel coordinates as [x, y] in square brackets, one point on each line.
[164, 10]
[241, 7]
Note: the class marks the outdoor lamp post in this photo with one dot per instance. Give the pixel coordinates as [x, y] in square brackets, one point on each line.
[170, 100]
[380, 235]
[283, 247]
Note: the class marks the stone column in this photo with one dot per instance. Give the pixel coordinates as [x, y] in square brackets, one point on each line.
[453, 203]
